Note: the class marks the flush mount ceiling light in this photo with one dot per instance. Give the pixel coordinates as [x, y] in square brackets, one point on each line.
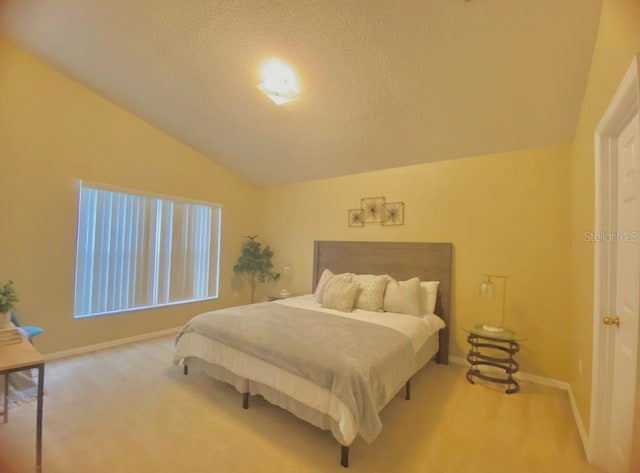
[279, 81]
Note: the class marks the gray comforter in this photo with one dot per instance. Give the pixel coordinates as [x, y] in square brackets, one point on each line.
[362, 364]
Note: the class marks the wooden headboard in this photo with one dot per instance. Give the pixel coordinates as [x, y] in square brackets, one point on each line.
[428, 261]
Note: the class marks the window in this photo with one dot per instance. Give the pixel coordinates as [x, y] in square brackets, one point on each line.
[137, 251]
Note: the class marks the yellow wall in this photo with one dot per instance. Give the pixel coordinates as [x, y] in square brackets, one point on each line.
[505, 214]
[509, 213]
[618, 41]
[53, 132]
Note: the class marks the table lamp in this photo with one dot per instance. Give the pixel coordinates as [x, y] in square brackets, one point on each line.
[487, 289]
[286, 271]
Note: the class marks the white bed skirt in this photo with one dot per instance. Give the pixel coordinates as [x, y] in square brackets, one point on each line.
[301, 397]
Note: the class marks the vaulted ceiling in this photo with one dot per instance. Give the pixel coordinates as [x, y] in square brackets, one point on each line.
[384, 83]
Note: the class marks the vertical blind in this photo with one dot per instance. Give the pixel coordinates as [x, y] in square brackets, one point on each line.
[136, 251]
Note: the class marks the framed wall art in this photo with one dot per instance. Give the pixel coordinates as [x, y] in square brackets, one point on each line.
[376, 210]
[356, 218]
[392, 213]
[372, 207]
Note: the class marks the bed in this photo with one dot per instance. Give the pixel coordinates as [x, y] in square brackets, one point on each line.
[361, 359]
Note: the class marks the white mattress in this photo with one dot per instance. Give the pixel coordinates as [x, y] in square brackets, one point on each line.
[241, 369]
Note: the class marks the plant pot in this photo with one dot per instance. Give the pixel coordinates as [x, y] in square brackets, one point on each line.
[5, 320]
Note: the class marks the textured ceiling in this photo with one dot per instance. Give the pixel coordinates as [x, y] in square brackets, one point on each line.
[384, 83]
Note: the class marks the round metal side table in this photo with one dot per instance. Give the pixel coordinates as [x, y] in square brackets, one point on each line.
[485, 348]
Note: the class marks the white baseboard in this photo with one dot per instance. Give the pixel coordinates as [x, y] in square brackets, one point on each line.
[110, 344]
[553, 383]
[521, 376]
[458, 360]
[581, 430]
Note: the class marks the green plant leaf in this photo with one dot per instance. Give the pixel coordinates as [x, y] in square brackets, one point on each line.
[255, 262]
[8, 296]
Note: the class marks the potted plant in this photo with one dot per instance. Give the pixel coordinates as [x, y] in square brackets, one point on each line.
[8, 298]
[255, 263]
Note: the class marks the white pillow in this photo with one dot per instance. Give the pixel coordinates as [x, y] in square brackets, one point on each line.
[428, 296]
[327, 276]
[340, 295]
[403, 297]
[371, 295]
[322, 282]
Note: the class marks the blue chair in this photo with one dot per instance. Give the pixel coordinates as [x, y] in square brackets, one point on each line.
[29, 331]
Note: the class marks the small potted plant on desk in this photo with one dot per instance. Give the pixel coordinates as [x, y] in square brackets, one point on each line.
[8, 298]
[255, 262]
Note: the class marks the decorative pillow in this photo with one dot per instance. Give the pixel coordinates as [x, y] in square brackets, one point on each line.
[340, 295]
[403, 297]
[371, 295]
[325, 277]
[322, 282]
[428, 296]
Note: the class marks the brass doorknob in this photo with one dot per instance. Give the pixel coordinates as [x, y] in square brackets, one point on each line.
[612, 321]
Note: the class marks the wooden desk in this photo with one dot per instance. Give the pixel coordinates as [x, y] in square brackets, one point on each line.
[18, 357]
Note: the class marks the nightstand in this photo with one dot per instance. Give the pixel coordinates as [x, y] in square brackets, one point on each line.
[485, 346]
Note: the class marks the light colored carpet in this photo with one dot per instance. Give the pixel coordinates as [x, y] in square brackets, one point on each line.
[128, 410]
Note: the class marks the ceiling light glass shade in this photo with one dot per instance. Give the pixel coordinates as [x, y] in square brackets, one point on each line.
[279, 82]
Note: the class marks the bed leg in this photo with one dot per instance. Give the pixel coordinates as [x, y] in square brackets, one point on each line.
[245, 400]
[185, 369]
[344, 456]
[407, 390]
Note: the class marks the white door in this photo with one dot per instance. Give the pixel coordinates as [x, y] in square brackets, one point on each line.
[627, 304]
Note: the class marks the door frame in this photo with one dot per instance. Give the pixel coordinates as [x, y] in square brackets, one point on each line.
[624, 105]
